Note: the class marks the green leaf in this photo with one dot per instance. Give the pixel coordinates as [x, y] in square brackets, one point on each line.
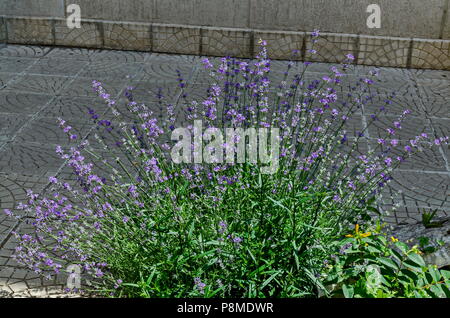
[388, 262]
[404, 280]
[435, 274]
[445, 274]
[396, 255]
[373, 249]
[375, 210]
[417, 259]
[270, 279]
[413, 276]
[402, 247]
[348, 291]
[412, 266]
[438, 291]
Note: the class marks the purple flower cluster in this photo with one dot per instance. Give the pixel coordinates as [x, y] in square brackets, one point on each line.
[149, 200]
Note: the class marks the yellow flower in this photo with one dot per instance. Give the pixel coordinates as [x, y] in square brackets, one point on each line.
[358, 234]
[393, 239]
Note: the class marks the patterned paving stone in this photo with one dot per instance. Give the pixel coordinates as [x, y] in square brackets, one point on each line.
[12, 192]
[429, 159]
[73, 108]
[75, 54]
[39, 84]
[30, 159]
[352, 149]
[441, 126]
[57, 66]
[100, 136]
[442, 129]
[147, 97]
[318, 67]
[298, 67]
[7, 224]
[11, 50]
[15, 64]
[407, 214]
[5, 78]
[403, 74]
[430, 74]
[46, 130]
[19, 280]
[113, 56]
[10, 125]
[101, 167]
[22, 103]
[423, 190]
[83, 87]
[106, 70]
[13, 188]
[433, 106]
[394, 83]
[394, 106]
[352, 127]
[411, 127]
[180, 58]
[164, 71]
[150, 92]
[434, 87]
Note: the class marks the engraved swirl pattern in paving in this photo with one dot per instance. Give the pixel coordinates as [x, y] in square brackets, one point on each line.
[22, 103]
[39, 84]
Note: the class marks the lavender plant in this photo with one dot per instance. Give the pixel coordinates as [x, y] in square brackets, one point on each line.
[146, 226]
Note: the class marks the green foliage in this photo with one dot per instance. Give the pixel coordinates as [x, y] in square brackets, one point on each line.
[374, 266]
[428, 219]
[251, 243]
[427, 245]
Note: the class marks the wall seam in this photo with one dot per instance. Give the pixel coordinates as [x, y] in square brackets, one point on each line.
[5, 22]
[252, 44]
[303, 52]
[200, 45]
[64, 6]
[151, 37]
[101, 31]
[357, 49]
[444, 20]
[410, 51]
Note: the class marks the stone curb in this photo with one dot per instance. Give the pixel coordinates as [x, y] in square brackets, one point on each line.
[237, 42]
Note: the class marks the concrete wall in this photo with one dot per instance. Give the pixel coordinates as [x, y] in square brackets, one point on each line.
[401, 18]
[413, 33]
[39, 8]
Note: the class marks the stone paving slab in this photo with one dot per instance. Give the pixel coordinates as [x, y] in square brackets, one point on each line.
[39, 84]
[24, 51]
[29, 159]
[15, 64]
[13, 102]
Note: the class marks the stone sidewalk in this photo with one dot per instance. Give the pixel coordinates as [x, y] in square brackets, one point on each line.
[40, 84]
